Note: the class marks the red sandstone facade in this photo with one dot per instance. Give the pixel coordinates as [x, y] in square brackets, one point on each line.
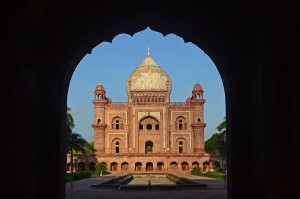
[148, 133]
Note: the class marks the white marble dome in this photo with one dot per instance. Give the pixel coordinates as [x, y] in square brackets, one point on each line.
[148, 76]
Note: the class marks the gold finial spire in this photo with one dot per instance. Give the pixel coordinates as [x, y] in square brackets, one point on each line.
[148, 54]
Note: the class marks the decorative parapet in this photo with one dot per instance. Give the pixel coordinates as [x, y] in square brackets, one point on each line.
[167, 155]
[178, 104]
[118, 104]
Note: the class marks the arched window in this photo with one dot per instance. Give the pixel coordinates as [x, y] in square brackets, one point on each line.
[180, 123]
[124, 166]
[140, 126]
[160, 166]
[180, 147]
[149, 127]
[149, 123]
[206, 166]
[98, 121]
[149, 147]
[117, 123]
[117, 147]
[195, 164]
[114, 166]
[198, 120]
[184, 166]
[173, 166]
[149, 166]
[138, 166]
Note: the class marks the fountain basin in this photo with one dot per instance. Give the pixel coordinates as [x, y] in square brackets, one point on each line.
[150, 181]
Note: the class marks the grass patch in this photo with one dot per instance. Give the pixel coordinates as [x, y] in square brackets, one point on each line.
[215, 175]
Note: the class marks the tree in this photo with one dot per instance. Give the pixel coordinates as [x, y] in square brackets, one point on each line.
[216, 144]
[222, 126]
[101, 168]
[75, 142]
[223, 136]
[212, 145]
[196, 171]
[70, 121]
[89, 147]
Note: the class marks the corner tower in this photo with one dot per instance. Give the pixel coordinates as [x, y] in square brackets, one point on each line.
[99, 124]
[197, 101]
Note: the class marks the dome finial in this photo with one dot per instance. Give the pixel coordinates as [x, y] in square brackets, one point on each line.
[148, 54]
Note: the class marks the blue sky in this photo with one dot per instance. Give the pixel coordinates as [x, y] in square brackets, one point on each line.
[111, 63]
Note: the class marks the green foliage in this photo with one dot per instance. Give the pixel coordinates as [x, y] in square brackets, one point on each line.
[75, 142]
[70, 120]
[101, 167]
[89, 147]
[148, 149]
[212, 144]
[68, 177]
[216, 144]
[77, 176]
[196, 171]
[222, 126]
[215, 175]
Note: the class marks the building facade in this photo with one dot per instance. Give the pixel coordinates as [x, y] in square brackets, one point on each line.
[149, 133]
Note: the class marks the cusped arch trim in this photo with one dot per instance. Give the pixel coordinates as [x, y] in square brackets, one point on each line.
[149, 116]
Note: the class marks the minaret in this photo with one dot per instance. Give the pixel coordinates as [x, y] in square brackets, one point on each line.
[197, 101]
[99, 125]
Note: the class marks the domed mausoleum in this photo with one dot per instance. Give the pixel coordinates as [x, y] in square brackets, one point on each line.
[149, 133]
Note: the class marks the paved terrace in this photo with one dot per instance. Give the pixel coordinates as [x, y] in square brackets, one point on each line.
[82, 190]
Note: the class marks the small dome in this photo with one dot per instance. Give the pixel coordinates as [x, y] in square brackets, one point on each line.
[197, 88]
[188, 100]
[148, 76]
[99, 87]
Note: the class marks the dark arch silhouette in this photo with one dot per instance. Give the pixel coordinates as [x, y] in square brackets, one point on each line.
[254, 61]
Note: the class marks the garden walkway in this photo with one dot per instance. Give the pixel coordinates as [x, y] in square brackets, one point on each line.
[82, 189]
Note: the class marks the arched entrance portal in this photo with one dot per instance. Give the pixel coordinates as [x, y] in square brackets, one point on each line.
[149, 166]
[92, 166]
[81, 166]
[124, 166]
[114, 166]
[149, 147]
[160, 166]
[195, 164]
[184, 166]
[206, 166]
[138, 166]
[173, 166]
